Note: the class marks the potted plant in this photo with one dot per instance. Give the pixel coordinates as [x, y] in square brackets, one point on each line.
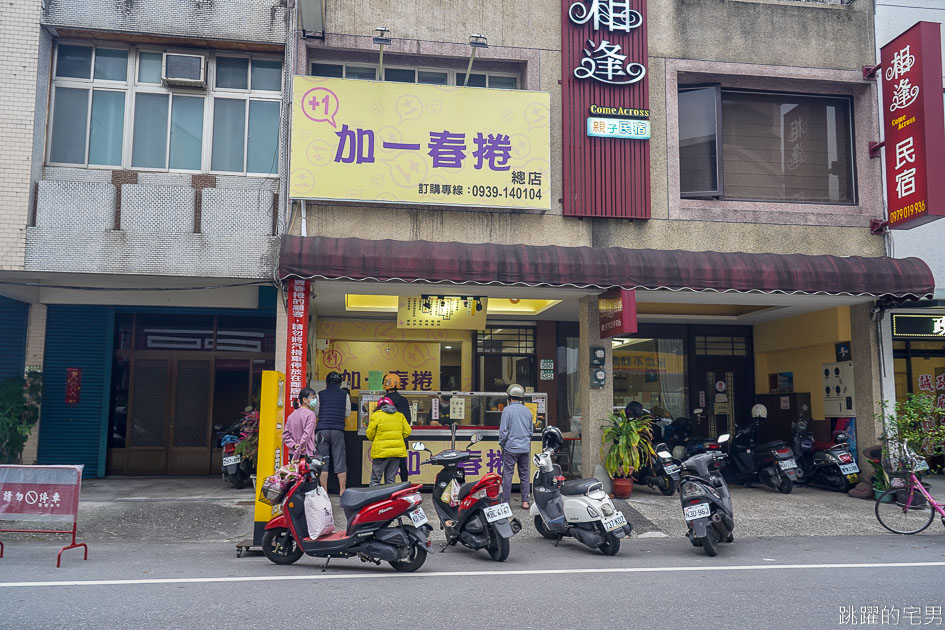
[19, 411]
[915, 424]
[625, 447]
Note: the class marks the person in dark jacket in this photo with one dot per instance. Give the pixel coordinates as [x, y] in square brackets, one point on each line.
[333, 408]
[391, 385]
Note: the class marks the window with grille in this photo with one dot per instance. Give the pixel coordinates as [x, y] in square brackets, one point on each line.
[506, 340]
[721, 346]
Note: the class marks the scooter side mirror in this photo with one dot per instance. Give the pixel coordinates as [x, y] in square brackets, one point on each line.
[475, 437]
[418, 446]
[722, 439]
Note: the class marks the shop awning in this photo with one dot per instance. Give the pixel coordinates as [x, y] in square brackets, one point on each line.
[601, 268]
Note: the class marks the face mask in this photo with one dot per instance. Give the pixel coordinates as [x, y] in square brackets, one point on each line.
[312, 403]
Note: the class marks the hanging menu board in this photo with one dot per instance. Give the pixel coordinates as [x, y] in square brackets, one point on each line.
[441, 313]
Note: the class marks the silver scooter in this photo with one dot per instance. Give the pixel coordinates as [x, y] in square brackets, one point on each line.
[706, 502]
[579, 509]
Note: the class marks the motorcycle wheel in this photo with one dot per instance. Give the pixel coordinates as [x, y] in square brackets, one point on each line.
[801, 476]
[238, 480]
[841, 484]
[667, 485]
[418, 555]
[498, 546]
[709, 542]
[611, 545]
[731, 538]
[279, 546]
[786, 485]
[543, 529]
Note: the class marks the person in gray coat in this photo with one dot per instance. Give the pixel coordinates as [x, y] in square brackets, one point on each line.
[515, 438]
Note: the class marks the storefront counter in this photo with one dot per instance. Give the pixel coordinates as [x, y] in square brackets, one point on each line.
[487, 456]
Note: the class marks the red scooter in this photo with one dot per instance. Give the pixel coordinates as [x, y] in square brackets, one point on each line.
[476, 519]
[376, 529]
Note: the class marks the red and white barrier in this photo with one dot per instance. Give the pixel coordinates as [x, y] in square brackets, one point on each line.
[41, 494]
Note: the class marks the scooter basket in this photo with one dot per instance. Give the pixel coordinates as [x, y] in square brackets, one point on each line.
[273, 489]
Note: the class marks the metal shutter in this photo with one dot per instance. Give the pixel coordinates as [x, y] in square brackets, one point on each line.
[76, 337]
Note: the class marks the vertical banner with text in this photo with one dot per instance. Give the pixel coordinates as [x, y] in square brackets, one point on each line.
[914, 129]
[297, 339]
[605, 114]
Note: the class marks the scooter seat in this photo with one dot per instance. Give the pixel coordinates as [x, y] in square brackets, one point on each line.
[465, 489]
[577, 487]
[769, 445]
[357, 498]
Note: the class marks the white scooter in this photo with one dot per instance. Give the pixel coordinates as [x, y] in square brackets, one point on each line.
[579, 509]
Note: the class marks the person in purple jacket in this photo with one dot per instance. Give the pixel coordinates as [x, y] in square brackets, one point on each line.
[299, 431]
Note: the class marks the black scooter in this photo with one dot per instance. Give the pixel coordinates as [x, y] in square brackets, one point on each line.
[771, 463]
[662, 472]
[474, 517]
[833, 467]
[706, 502]
[679, 436]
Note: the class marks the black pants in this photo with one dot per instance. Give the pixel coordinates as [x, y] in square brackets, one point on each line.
[403, 463]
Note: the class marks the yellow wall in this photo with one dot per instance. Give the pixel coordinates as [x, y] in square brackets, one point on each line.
[388, 340]
[801, 345]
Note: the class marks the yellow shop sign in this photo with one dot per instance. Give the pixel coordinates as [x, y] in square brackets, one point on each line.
[435, 145]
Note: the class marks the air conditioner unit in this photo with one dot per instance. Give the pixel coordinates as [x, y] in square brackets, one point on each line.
[184, 70]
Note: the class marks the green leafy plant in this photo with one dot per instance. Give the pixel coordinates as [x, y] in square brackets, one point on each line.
[247, 447]
[916, 423]
[19, 412]
[880, 478]
[626, 443]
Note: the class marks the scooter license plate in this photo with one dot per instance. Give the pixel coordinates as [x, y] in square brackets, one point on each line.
[496, 512]
[671, 469]
[233, 459]
[849, 469]
[418, 517]
[616, 521]
[700, 510]
[785, 464]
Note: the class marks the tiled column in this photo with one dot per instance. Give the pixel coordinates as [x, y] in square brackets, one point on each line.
[595, 403]
[866, 376]
[35, 347]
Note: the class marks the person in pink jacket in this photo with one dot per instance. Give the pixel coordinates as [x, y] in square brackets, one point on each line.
[299, 431]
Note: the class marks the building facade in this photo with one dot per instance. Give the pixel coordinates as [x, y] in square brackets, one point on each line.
[735, 207]
[140, 223]
[742, 223]
[913, 334]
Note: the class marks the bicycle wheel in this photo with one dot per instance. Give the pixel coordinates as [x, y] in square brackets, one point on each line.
[891, 512]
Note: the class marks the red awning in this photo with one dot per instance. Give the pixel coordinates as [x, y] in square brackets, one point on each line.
[601, 268]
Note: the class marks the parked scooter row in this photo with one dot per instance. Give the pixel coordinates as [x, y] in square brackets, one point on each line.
[387, 523]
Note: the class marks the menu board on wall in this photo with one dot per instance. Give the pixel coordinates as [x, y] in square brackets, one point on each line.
[442, 313]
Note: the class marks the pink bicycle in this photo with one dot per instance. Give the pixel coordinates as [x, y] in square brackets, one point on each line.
[908, 509]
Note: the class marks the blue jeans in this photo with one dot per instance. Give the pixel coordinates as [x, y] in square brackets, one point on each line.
[509, 461]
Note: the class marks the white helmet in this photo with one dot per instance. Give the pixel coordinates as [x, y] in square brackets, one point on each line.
[759, 411]
[515, 391]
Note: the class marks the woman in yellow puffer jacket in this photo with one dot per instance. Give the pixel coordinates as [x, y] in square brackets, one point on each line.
[387, 430]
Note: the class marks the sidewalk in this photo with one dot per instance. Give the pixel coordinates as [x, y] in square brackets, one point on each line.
[205, 509]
